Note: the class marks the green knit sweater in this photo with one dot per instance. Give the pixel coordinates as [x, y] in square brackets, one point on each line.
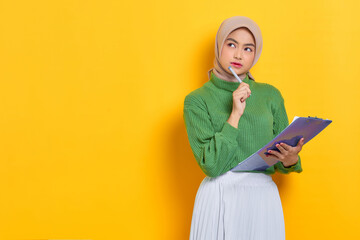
[218, 146]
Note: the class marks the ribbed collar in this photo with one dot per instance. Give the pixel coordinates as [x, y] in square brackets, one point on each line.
[229, 86]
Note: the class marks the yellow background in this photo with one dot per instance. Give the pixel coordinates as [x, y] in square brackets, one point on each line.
[93, 143]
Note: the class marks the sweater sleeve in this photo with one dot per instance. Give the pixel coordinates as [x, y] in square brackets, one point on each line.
[280, 123]
[215, 152]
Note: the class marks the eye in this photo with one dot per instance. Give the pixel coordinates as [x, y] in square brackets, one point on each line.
[249, 49]
[229, 44]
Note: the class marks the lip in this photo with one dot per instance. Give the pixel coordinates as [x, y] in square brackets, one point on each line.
[237, 65]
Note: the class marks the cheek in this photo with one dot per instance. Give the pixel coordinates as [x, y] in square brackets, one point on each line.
[250, 57]
[225, 55]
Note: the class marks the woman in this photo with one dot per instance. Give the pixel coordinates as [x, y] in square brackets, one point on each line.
[226, 122]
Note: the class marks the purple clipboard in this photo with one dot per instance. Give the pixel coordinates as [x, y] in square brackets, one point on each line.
[307, 127]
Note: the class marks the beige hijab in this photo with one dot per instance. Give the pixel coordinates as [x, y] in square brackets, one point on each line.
[226, 27]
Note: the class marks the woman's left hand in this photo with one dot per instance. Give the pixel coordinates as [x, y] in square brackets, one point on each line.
[288, 155]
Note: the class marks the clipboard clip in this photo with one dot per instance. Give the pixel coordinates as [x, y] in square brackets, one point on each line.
[315, 118]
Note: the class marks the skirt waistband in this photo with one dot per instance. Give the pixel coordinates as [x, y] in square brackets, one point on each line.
[242, 178]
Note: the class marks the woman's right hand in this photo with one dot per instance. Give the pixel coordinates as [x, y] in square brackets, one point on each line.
[239, 97]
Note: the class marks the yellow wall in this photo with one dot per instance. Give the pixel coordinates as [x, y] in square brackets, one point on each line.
[93, 144]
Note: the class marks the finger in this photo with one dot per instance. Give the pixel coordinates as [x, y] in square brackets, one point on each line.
[241, 91]
[242, 96]
[285, 146]
[247, 89]
[282, 150]
[301, 142]
[244, 88]
[275, 153]
[245, 97]
[247, 92]
[244, 84]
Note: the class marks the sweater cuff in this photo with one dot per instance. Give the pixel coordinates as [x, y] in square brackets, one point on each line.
[296, 167]
[230, 132]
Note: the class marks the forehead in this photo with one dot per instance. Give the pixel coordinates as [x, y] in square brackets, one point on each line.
[242, 34]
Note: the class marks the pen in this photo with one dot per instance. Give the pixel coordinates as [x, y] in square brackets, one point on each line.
[235, 75]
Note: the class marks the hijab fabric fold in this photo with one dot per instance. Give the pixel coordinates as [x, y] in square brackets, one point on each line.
[226, 27]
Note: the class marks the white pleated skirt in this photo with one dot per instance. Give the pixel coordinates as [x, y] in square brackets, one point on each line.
[238, 205]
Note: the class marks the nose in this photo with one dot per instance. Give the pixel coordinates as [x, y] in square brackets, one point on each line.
[238, 54]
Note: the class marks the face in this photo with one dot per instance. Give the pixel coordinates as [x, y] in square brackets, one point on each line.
[238, 51]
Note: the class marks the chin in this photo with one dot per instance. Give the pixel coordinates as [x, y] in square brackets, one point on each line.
[239, 72]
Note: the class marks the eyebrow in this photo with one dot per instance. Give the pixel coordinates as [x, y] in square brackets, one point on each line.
[247, 44]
